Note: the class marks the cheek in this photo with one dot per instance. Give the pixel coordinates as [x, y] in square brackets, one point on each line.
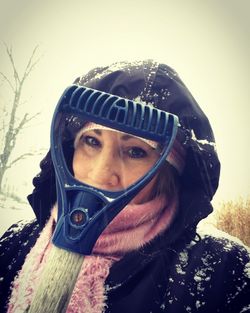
[132, 173]
[144, 195]
[79, 170]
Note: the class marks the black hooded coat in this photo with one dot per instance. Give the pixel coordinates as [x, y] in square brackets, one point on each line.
[179, 271]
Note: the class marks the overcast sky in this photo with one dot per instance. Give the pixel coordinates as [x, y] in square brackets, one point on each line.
[206, 42]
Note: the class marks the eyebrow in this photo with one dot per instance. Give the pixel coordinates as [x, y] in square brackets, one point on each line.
[124, 137]
[127, 137]
[97, 131]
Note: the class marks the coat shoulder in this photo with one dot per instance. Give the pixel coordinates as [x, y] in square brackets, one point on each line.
[19, 236]
[220, 267]
[224, 247]
[15, 244]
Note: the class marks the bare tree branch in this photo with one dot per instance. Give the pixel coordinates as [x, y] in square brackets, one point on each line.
[3, 126]
[9, 52]
[25, 120]
[14, 125]
[25, 155]
[31, 64]
[21, 157]
[31, 57]
[8, 81]
[19, 127]
[32, 117]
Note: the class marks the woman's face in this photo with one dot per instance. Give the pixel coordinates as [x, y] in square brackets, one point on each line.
[113, 161]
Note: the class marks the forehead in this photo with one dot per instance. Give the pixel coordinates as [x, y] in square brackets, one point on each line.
[107, 132]
[115, 133]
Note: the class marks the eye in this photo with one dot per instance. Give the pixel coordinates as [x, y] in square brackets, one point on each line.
[91, 141]
[136, 153]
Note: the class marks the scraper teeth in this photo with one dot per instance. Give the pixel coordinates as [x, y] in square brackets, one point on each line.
[123, 114]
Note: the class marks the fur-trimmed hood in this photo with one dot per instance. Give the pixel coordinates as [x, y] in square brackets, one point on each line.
[159, 85]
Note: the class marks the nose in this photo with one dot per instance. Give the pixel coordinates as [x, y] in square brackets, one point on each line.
[105, 172]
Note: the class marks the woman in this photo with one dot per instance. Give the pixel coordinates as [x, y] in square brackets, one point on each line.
[149, 258]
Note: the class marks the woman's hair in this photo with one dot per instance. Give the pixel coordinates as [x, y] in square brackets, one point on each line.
[167, 182]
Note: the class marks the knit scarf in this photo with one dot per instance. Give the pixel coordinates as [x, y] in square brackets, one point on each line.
[131, 229]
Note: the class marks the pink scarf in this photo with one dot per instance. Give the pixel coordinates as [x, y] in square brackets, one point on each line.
[132, 228]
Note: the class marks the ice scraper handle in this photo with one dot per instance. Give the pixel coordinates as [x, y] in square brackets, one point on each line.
[85, 211]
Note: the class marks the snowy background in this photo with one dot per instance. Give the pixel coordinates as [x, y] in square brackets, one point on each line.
[206, 42]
